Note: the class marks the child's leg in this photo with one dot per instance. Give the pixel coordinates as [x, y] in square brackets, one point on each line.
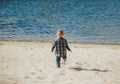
[64, 60]
[58, 61]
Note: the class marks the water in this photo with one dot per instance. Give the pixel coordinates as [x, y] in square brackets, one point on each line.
[84, 21]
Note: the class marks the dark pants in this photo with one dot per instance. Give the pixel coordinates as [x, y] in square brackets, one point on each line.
[58, 58]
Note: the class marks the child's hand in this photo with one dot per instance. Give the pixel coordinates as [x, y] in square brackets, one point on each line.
[71, 51]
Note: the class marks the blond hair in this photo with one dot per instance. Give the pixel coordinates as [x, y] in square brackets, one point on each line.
[60, 33]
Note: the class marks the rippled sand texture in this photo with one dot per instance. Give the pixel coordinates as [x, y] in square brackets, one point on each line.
[33, 63]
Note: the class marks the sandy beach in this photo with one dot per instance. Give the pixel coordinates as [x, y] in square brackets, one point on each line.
[33, 63]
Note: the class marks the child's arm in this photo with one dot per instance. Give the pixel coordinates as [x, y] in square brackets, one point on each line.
[53, 46]
[67, 46]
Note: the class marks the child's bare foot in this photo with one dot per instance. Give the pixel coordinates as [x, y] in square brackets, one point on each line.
[64, 62]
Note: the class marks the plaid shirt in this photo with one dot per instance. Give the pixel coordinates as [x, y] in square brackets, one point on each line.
[60, 46]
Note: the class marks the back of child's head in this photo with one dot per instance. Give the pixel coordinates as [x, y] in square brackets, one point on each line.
[60, 33]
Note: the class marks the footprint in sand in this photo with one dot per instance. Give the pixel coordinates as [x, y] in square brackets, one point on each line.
[40, 71]
[40, 78]
[77, 63]
[110, 62]
[12, 80]
[71, 79]
[82, 63]
[33, 73]
[26, 77]
[62, 74]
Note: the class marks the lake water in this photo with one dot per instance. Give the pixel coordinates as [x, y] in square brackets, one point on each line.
[83, 21]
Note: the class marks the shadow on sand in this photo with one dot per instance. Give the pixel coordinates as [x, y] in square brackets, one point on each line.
[85, 69]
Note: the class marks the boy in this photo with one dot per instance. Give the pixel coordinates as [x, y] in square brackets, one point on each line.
[61, 46]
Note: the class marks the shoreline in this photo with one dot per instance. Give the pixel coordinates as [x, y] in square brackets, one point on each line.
[31, 41]
[76, 45]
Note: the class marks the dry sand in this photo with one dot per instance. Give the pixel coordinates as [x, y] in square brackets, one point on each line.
[33, 63]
